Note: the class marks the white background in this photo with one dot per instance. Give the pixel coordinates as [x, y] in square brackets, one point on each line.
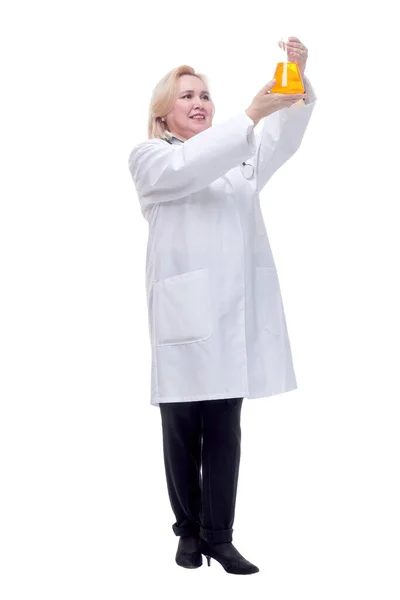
[84, 511]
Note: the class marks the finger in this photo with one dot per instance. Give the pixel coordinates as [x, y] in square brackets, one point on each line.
[282, 45]
[293, 39]
[290, 104]
[293, 97]
[267, 87]
[295, 45]
[296, 99]
[298, 55]
[289, 97]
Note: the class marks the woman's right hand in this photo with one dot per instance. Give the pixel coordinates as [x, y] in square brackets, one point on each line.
[266, 102]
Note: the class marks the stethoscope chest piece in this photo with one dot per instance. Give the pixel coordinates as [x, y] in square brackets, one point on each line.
[247, 170]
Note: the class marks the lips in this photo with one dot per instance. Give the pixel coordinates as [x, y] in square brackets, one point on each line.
[198, 115]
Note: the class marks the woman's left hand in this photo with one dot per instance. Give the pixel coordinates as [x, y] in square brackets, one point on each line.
[296, 52]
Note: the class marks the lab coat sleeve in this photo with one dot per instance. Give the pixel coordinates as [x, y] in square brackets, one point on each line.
[281, 136]
[162, 172]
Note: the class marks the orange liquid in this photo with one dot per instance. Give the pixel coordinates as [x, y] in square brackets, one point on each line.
[293, 83]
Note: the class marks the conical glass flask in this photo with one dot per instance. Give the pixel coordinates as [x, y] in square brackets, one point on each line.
[287, 75]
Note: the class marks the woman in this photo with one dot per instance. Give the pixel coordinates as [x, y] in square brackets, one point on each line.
[216, 320]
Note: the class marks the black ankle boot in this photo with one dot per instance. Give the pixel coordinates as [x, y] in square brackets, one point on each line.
[188, 554]
[227, 555]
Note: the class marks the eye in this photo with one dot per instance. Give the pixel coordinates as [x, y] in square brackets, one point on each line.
[204, 96]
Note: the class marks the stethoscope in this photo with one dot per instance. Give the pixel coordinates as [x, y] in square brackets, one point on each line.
[247, 170]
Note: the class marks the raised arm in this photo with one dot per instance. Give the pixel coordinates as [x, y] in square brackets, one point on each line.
[281, 136]
[163, 173]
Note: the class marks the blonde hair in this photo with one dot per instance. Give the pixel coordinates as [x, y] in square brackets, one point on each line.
[163, 97]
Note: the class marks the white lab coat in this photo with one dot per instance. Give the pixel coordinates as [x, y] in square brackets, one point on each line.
[216, 320]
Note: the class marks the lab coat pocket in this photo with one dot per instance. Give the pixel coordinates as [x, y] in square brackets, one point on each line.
[268, 300]
[182, 309]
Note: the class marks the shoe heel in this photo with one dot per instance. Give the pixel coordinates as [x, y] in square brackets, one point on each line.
[208, 560]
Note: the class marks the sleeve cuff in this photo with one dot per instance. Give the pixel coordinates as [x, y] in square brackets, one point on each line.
[249, 120]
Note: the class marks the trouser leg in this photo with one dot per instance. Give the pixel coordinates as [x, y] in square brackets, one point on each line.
[181, 428]
[220, 467]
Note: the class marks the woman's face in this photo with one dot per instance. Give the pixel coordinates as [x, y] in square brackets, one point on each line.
[193, 98]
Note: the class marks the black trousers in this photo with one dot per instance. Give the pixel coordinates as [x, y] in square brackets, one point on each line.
[201, 444]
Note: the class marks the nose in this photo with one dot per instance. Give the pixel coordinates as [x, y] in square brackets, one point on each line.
[198, 103]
